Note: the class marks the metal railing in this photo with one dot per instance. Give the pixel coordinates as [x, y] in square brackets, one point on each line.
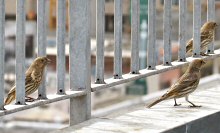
[79, 50]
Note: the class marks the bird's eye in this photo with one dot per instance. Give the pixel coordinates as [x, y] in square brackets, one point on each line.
[201, 62]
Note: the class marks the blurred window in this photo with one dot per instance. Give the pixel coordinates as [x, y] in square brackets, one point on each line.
[175, 2]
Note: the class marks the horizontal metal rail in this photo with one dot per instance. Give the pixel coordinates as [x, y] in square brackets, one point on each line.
[51, 99]
[145, 73]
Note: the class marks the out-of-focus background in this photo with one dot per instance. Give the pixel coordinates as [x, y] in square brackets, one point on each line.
[55, 116]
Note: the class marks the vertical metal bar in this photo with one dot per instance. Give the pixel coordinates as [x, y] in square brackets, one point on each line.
[2, 51]
[151, 58]
[100, 38]
[182, 29]
[196, 27]
[211, 17]
[167, 29]
[20, 52]
[135, 7]
[41, 41]
[80, 59]
[215, 67]
[118, 39]
[61, 32]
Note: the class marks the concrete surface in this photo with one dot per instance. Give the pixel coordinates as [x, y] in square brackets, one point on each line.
[163, 117]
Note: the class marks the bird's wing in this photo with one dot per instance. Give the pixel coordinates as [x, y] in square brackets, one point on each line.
[27, 79]
[12, 90]
[204, 35]
[185, 81]
[36, 75]
[189, 45]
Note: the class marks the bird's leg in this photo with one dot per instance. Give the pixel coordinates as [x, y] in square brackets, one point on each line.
[193, 105]
[203, 54]
[29, 99]
[176, 103]
[2, 108]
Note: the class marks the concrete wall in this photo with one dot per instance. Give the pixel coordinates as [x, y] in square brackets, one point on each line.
[208, 124]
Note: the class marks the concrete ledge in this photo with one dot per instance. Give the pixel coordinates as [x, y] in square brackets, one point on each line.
[163, 117]
[207, 124]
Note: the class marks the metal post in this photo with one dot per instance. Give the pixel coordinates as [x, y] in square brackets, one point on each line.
[100, 39]
[118, 39]
[151, 58]
[196, 27]
[135, 7]
[20, 52]
[61, 34]
[167, 28]
[80, 59]
[182, 29]
[2, 51]
[41, 41]
[211, 17]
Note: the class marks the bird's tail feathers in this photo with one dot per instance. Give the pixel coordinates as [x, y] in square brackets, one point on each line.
[157, 101]
[189, 46]
[187, 49]
[9, 99]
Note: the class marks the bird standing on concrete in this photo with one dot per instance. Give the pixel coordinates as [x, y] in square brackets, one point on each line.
[185, 85]
[33, 78]
[207, 36]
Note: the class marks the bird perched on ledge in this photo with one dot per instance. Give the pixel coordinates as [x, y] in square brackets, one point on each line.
[33, 78]
[207, 36]
[185, 85]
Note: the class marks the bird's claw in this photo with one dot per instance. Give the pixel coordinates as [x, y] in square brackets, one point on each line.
[195, 106]
[177, 104]
[3, 108]
[203, 54]
[29, 99]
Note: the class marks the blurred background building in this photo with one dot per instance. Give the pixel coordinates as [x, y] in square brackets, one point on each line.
[56, 116]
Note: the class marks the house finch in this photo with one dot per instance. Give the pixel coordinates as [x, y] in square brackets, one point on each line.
[207, 35]
[185, 85]
[33, 78]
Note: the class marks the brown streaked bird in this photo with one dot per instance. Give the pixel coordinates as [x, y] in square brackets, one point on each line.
[185, 85]
[33, 78]
[207, 36]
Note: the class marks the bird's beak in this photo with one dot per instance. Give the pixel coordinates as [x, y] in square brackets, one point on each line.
[48, 60]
